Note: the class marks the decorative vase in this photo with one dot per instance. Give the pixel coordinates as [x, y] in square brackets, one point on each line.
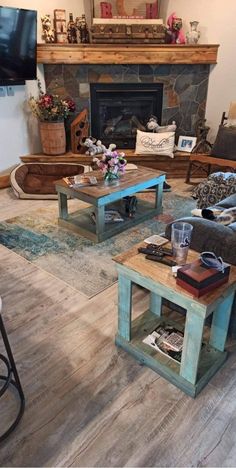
[53, 137]
[110, 176]
[193, 35]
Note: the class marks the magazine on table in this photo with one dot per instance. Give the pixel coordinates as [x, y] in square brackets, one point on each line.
[110, 216]
[167, 340]
[80, 180]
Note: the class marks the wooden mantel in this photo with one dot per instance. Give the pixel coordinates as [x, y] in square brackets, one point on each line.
[129, 54]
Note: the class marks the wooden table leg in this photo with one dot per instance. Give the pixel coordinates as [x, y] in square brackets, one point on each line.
[100, 221]
[124, 307]
[158, 199]
[192, 346]
[62, 204]
[188, 172]
[220, 323]
[155, 305]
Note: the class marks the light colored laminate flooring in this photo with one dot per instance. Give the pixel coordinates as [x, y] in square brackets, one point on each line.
[87, 402]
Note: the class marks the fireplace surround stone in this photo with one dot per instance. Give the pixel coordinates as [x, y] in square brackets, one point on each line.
[184, 87]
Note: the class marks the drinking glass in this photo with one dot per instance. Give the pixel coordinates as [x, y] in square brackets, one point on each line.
[180, 240]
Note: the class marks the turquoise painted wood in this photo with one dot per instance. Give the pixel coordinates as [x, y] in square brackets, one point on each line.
[62, 205]
[155, 304]
[220, 323]
[99, 202]
[124, 192]
[124, 307]
[193, 333]
[159, 196]
[100, 221]
[199, 363]
[162, 290]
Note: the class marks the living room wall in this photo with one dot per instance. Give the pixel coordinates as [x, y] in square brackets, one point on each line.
[217, 26]
[18, 134]
[18, 130]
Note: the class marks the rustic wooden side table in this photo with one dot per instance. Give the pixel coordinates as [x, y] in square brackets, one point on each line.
[198, 363]
[105, 195]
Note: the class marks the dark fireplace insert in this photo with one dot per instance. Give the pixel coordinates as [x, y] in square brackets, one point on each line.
[119, 109]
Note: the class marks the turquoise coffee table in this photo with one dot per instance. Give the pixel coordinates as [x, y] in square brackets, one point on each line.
[110, 195]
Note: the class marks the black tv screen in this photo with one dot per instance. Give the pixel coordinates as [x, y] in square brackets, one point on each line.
[18, 42]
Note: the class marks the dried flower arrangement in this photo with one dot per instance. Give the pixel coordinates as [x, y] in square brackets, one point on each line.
[51, 107]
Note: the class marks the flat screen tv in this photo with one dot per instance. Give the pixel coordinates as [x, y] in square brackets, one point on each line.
[18, 43]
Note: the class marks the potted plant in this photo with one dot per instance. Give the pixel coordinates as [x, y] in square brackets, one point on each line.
[51, 111]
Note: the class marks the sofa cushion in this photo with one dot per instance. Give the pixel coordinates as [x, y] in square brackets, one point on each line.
[217, 187]
[228, 202]
[155, 143]
[210, 236]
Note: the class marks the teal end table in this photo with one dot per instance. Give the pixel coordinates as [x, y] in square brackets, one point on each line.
[198, 362]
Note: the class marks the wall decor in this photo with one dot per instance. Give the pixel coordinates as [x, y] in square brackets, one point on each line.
[186, 143]
[71, 30]
[125, 9]
[175, 34]
[79, 131]
[82, 30]
[193, 35]
[123, 21]
[48, 32]
[60, 25]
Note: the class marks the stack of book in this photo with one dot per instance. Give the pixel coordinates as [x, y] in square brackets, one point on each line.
[199, 279]
[111, 216]
[167, 340]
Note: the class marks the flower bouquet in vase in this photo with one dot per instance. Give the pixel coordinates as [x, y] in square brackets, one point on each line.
[112, 165]
[51, 111]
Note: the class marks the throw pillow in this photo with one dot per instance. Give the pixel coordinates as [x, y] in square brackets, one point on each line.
[225, 144]
[155, 143]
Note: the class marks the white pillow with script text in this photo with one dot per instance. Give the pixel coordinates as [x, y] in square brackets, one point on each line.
[155, 143]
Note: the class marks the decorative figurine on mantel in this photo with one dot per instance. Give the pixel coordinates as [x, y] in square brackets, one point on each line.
[82, 30]
[175, 34]
[48, 32]
[193, 35]
[71, 30]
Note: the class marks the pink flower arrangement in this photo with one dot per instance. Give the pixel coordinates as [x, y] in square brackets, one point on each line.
[112, 164]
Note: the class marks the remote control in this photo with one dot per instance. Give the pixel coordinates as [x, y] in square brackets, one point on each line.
[150, 251]
[165, 261]
[166, 251]
[159, 248]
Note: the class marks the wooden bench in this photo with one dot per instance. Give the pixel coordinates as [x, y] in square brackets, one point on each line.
[174, 167]
[204, 163]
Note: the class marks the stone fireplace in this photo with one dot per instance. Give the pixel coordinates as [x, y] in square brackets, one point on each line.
[119, 109]
[182, 90]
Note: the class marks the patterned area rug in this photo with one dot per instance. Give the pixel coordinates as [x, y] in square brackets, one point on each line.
[86, 266]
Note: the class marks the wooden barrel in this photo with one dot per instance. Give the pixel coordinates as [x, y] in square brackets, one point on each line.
[53, 137]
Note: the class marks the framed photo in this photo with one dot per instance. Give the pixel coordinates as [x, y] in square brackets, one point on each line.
[60, 15]
[186, 143]
[60, 26]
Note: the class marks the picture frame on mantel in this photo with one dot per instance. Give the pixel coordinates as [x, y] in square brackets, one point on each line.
[186, 143]
[126, 22]
[125, 8]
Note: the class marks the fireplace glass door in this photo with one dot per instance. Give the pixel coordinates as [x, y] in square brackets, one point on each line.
[118, 110]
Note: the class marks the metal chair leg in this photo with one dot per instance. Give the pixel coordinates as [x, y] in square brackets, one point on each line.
[12, 378]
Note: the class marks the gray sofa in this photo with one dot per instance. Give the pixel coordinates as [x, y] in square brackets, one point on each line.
[210, 236]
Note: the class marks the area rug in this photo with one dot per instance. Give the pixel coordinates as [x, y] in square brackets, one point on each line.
[85, 266]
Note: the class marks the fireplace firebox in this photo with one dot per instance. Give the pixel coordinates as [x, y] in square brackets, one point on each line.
[119, 109]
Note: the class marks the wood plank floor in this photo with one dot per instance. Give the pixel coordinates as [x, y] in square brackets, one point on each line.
[87, 402]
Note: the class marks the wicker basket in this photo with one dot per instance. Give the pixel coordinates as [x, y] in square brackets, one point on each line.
[53, 137]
